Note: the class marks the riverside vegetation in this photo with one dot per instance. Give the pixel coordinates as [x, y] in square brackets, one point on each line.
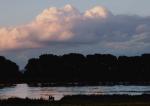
[82, 100]
[76, 68]
[82, 70]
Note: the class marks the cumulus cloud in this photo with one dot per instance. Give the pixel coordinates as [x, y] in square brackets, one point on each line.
[95, 28]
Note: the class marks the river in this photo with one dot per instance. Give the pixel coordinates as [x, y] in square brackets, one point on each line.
[23, 91]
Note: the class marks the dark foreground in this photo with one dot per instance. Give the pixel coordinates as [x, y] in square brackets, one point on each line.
[80, 100]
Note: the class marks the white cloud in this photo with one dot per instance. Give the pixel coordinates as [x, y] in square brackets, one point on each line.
[95, 28]
[98, 11]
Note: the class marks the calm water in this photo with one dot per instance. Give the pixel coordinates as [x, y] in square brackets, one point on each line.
[23, 91]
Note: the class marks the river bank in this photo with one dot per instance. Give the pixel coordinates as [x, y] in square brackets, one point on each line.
[82, 100]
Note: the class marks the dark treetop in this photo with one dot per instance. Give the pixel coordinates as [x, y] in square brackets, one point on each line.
[71, 68]
[9, 71]
[88, 69]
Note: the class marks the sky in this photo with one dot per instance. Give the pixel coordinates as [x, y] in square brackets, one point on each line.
[15, 12]
[29, 28]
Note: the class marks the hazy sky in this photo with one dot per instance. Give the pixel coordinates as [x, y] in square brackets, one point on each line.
[29, 28]
[14, 12]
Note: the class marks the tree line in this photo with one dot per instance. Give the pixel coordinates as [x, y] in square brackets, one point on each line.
[9, 71]
[77, 68]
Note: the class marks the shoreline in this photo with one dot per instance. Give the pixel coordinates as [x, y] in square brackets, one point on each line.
[3, 85]
[38, 84]
[82, 100]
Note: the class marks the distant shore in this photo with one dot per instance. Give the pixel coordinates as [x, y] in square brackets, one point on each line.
[87, 84]
[74, 67]
[82, 100]
[72, 84]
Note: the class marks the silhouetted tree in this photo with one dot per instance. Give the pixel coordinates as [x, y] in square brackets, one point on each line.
[73, 67]
[9, 71]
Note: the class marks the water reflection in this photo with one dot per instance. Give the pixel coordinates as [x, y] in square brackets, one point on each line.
[23, 91]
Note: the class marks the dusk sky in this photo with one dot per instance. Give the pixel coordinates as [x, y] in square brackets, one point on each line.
[29, 28]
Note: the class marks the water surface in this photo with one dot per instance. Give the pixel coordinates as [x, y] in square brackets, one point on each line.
[23, 91]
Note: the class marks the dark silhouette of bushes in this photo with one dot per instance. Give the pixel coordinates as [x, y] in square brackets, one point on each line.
[9, 71]
[78, 69]
[24, 102]
[105, 98]
[97, 68]
[82, 100]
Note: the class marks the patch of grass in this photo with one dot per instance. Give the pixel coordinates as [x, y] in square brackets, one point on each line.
[82, 100]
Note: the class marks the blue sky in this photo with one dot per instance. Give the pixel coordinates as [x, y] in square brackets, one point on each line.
[16, 12]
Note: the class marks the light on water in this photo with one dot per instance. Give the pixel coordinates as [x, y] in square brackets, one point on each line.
[23, 91]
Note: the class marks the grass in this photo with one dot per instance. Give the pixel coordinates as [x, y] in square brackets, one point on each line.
[81, 100]
[85, 104]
